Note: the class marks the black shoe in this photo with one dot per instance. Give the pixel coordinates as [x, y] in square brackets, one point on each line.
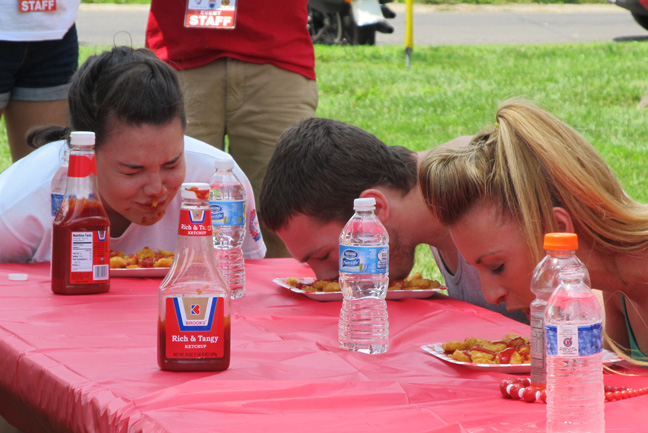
[387, 13]
[384, 27]
[382, 2]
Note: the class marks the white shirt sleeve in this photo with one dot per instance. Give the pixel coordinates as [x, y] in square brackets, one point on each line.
[25, 215]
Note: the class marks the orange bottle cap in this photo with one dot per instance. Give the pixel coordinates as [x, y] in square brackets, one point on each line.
[560, 241]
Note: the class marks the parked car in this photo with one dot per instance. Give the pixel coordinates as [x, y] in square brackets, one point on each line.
[638, 9]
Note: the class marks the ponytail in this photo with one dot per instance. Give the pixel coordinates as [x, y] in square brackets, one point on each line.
[526, 164]
[40, 136]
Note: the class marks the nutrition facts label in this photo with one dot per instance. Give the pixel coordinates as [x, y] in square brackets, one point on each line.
[89, 257]
[81, 252]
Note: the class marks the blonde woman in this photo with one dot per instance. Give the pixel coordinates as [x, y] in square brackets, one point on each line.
[528, 175]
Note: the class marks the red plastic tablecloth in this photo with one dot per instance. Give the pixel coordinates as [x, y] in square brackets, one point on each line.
[88, 364]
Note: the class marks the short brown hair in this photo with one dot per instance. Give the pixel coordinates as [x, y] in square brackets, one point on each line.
[321, 165]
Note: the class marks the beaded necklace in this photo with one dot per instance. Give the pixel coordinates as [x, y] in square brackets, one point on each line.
[521, 389]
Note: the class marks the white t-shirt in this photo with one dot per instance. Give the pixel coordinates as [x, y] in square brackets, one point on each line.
[26, 219]
[41, 23]
[465, 286]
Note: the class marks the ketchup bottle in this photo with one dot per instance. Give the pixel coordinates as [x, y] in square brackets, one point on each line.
[81, 229]
[194, 299]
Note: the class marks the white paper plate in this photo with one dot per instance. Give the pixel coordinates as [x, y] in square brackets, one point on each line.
[138, 272]
[436, 349]
[337, 296]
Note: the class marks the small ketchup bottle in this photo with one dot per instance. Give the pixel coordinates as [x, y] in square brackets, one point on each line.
[81, 228]
[194, 299]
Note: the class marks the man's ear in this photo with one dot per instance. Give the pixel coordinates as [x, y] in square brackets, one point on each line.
[382, 204]
[563, 219]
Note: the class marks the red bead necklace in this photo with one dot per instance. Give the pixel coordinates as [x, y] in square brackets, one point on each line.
[521, 389]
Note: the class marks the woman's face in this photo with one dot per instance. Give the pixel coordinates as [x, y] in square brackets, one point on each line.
[139, 170]
[494, 245]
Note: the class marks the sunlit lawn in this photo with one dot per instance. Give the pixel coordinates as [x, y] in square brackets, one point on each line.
[454, 90]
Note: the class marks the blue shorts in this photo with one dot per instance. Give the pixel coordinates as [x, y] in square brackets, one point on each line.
[38, 70]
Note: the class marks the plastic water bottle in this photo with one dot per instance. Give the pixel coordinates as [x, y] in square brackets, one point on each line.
[561, 252]
[364, 278]
[227, 203]
[575, 394]
[57, 187]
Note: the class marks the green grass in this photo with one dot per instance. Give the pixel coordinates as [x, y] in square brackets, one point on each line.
[454, 90]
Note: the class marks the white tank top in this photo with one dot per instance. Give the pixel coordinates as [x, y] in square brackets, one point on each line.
[42, 20]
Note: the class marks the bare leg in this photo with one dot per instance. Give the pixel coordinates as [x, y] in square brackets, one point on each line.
[644, 101]
[21, 116]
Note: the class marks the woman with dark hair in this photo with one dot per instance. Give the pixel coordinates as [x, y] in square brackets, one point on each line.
[133, 103]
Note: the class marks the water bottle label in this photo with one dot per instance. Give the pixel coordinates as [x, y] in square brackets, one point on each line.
[574, 340]
[537, 338]
[364, 260]
[57, 199]
[228, 213]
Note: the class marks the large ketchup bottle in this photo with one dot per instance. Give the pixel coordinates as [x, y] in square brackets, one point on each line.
[194, 299]
[81, 229]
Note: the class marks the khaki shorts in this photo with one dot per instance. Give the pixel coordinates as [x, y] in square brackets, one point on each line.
[252, 105]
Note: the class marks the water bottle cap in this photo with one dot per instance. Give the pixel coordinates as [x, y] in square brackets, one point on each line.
[368, 203]
[224, 164]
[561, 241]
[194, 190]
[82, 138]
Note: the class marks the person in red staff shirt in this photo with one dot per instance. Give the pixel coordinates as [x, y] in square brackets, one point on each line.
[248, 72]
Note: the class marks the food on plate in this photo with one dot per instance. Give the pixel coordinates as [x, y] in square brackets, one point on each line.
[315, 286]
[144, 258]
[512, 349]
[413, 282]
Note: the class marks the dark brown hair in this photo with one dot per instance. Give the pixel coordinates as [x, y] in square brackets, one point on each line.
[321, 165]
[124, 84]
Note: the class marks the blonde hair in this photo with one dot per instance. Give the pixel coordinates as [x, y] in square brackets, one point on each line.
[528, 163]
